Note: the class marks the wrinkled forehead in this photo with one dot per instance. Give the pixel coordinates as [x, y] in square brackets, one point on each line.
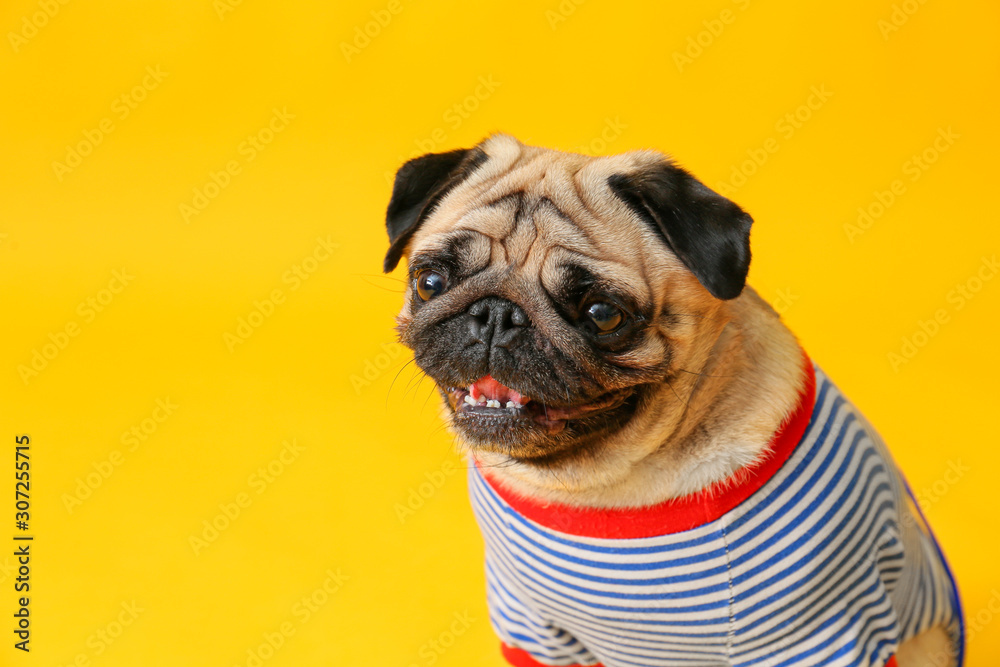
[548, 214]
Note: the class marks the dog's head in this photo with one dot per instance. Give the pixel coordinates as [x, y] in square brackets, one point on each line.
[553, 297]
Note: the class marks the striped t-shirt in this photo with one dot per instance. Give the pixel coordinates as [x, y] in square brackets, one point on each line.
[817, 556]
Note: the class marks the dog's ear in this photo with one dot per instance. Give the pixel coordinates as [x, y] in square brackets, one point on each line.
[420, 184]
[706, 231]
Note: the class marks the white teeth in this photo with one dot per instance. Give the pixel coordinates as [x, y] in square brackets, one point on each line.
[484, 402]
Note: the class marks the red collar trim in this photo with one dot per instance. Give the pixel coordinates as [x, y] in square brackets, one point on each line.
[518, 657]
[678, 514]
[521, 658]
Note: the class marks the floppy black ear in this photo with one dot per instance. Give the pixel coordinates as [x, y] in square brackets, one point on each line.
[420, 184]
[709, 233]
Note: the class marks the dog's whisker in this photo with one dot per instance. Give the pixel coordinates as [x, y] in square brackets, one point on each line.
[437, 429]
[670, 384]
[382, 287]
[415, 379]
[416, 388]
[558, 479]
[380, 276]
[704, 375]
[429, 394]
[396, 377]
[672, 316]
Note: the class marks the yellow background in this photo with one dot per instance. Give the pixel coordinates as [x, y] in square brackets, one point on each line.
[320, 368]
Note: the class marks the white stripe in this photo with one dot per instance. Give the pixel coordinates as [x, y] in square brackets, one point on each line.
[540, 589]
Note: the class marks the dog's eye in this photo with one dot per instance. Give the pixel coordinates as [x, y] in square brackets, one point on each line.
[605, 317]
[430, 284]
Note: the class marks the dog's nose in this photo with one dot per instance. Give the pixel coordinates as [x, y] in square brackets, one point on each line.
[494, 321]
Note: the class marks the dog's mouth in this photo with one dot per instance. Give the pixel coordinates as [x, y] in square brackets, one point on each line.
[494, 402]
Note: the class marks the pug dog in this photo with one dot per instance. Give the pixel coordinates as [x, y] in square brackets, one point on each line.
[661, 474]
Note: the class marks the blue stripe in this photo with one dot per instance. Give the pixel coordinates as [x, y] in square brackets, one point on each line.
[654, 581]
[803, 658]
[781, 562]
[771, 494]
[820, 591]
[532, 579]
[810, 510]
[509, 513]
[955, 597]
[557, 608]
[854, 577]
[623, 546]
[558, 600]
[542, 592]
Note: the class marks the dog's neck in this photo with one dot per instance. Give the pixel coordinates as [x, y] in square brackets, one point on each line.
[713, 418]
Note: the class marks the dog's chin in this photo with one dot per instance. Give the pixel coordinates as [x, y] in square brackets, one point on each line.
[531, 431]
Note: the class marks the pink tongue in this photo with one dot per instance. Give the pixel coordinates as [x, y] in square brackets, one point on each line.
[491, 389]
